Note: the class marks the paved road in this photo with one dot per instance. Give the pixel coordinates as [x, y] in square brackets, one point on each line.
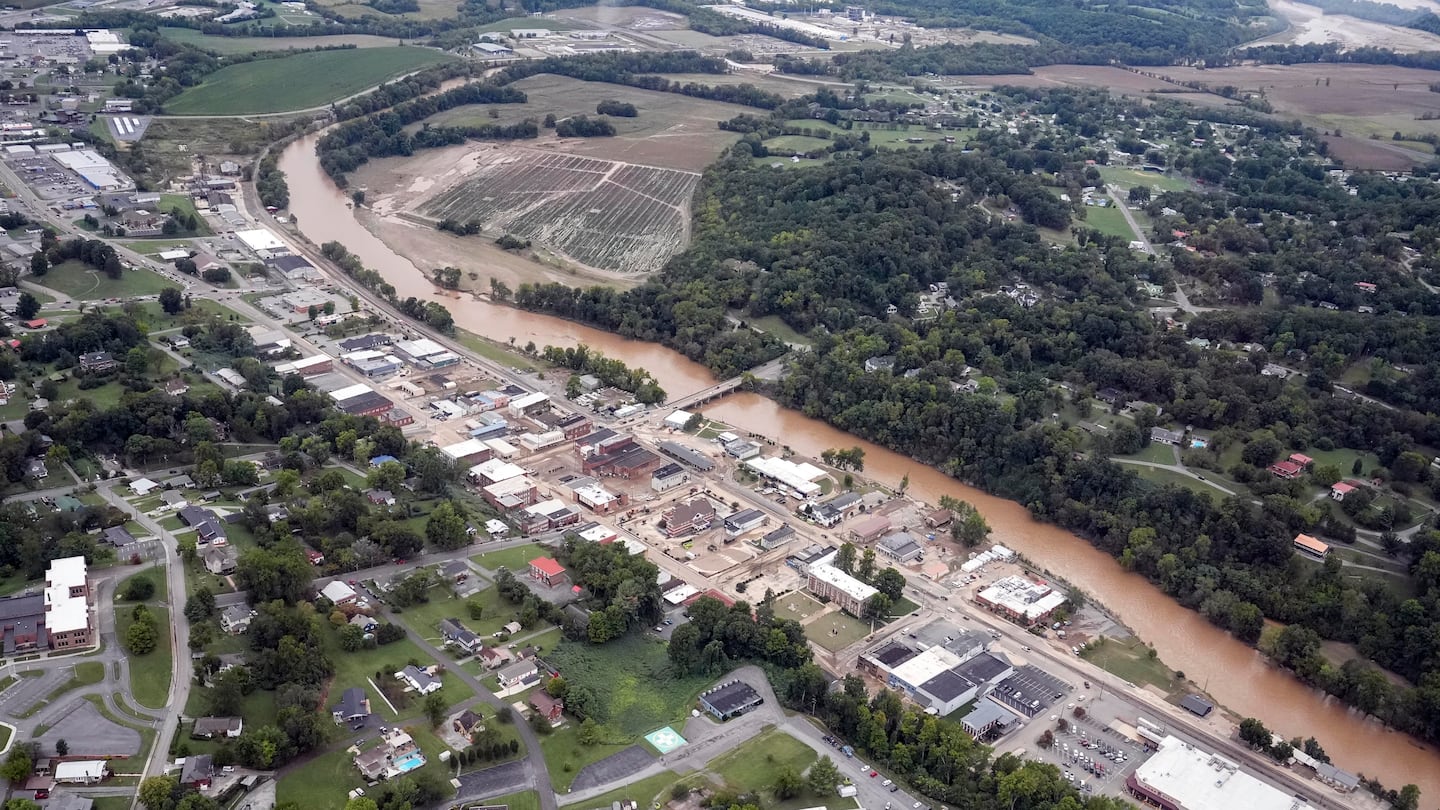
[536, 772]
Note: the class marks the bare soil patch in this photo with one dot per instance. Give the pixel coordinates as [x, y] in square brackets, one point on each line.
[1325, 89]
[634, 18]
[1375, 155]
[1311, 26]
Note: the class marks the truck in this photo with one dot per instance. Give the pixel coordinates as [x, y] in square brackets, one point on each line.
[846, 791]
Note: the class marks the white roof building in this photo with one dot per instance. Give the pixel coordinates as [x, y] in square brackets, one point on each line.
[143, 487]
[349, 392]
[1022, 598]
[464, 449]
[417, 350]
[261, 240]
[65, 612]
[925, 666]
[1188, 777]
[799, 477]
[496, 528]
[680, 594]
[843, 582]
[678, 419]
[599, 534]
[495, 470]
[85, 772]
[338, 592]
[502, 448]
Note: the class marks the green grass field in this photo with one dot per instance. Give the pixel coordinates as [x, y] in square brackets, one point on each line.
[565, 757]
[525, 800]
[149, 674]
[516, 559]
[1126, 178]
[1108, 221]
[645, 792]
[186, 205]
[1161, 477]
[1132, 661]
[786, 145]
[271, 85]
[79, 280]
[755, 765]
[836, 631]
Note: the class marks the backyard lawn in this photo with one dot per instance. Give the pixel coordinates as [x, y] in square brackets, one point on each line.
[837, 630]
[632, 680]
[358, 668]
[565, 757]
[79, 280]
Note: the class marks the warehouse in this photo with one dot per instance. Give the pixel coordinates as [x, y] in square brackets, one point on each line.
[730, 699]
[1180, 776]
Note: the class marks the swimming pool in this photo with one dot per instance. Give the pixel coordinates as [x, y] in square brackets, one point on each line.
[410, 762]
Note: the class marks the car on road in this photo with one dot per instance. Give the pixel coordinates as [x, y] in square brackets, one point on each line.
[886, 783]
[874, 774]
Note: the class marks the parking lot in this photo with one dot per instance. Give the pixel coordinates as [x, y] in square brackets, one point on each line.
[49, 180]
[1031, 690]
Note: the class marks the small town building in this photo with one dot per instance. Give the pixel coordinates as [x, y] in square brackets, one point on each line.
[548, 572]
[730, 699]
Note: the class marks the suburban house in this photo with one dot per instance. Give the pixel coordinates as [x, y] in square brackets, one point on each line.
[1160, 435]
[459, 635]
[367, 624]
[380, 497]
[468, 723]
[1340, 489]
[219, 560]
[198, 771]
[96, 362]
[550, 708]
[117, 536]
[210, 728]
[517, 673]
[418, 680]
[547, 571]
[396, 754]
[495, 657]
[236, 619]
[353, 706]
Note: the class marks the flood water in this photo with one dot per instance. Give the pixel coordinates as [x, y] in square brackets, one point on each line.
[1235, 674]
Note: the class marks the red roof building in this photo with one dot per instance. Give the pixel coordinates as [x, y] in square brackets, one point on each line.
[1339, 490]
[548, 571]
[1286, 469]
[38, 323]
[1301, 459]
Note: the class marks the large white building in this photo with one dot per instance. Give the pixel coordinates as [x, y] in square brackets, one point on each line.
[1021, 600]
[67, 604]
[1180, 776]
[829, 582]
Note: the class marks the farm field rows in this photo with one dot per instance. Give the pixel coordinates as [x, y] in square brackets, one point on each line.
[601, 213]
[269, 85]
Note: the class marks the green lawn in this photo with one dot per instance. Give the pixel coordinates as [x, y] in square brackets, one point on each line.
[322, 783]
[1161, 477]
[632, 679]
[1156, 453]
[1132, 661]
[150, 673]
[565, 757]
[79, 280]
[355, 669]
[170, 202]
[786, 145]
[1125, 178]
[525, 800]
[270, 85]
[1108, 221]
[425, 618]
[492, 351]
[755, 765]
[644, 793]
[516, 559]
[837, 630]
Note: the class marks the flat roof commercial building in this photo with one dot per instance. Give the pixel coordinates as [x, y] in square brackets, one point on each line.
[730, 699]
[1020, 600]
[1180, 776]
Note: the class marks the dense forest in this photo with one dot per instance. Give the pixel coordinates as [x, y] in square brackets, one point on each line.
[830, 248]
